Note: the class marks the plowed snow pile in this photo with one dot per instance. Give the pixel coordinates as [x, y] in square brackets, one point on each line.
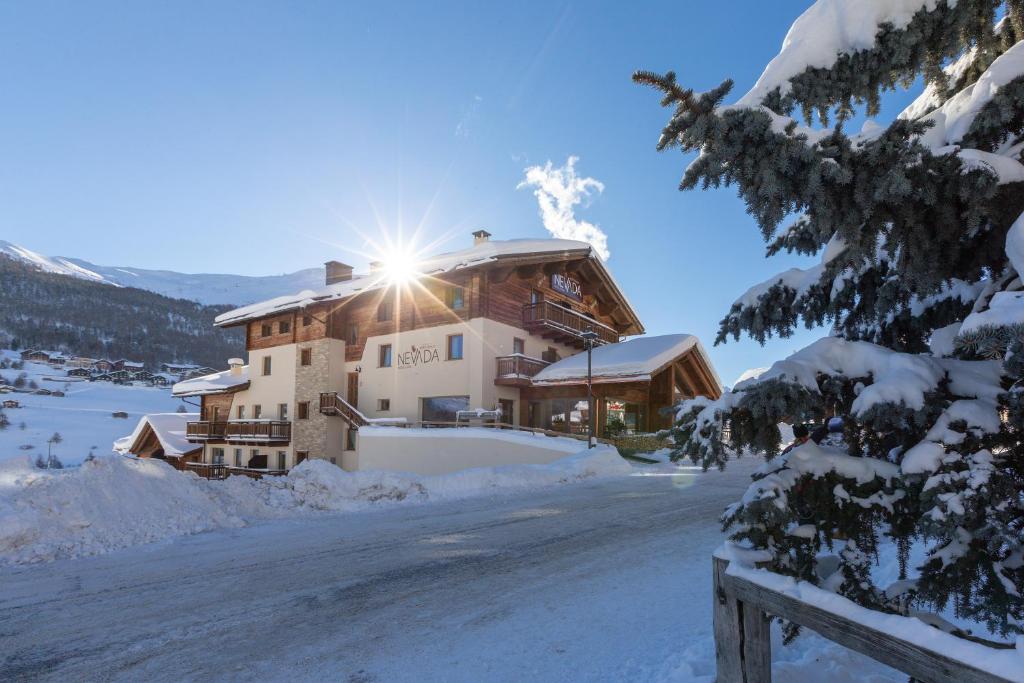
[116, 502]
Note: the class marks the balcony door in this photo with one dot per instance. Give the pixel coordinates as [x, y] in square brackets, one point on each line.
[353, 390]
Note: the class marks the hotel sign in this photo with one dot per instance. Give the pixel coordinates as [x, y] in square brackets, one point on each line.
[567, 285]
[422, 354]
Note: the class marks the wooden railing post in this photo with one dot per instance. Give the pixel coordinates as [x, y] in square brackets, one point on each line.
[742, 635]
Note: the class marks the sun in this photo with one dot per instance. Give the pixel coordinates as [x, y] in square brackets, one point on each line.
[400, 265]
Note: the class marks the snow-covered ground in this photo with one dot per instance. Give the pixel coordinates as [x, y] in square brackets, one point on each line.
[606, 579]
[84, 417]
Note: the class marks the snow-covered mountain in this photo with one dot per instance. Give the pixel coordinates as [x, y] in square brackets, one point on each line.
[206, 288]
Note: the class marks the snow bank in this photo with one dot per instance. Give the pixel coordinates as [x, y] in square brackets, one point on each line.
[116, 502]
[106, 504]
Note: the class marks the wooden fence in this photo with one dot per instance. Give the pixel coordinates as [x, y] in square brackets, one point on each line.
[743, 644]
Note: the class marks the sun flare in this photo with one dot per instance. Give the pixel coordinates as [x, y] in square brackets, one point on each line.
[399, 266]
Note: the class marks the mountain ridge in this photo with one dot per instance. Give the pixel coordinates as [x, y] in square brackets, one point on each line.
[204, 288]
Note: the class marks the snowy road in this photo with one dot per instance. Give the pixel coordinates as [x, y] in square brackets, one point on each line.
[607, 580]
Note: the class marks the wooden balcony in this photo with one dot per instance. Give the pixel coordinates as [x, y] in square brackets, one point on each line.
[562, 324]
[246, 431]
[517, 369]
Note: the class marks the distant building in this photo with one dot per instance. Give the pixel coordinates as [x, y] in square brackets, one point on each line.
[79, 372]
[103, 365]
[123, 364]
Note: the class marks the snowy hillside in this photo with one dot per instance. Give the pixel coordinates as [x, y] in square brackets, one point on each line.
[206, 288]
[83, 417]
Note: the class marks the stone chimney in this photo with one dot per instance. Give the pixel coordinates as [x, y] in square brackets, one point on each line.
[236, 366]
[481, 236]
[337, 272]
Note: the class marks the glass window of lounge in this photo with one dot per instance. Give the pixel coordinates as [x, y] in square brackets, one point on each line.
[570, 415]
[442, 408]
[455, 297]
[454, 347]
[384, 356]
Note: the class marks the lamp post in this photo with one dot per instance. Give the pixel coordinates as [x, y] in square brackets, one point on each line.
[589, 336]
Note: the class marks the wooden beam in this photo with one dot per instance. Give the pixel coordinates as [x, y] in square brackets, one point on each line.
[499, 275]
[528, 271]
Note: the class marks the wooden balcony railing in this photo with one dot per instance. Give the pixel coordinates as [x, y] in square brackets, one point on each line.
[562, 323]
[205, 430]
[242, 430]
[517, 369]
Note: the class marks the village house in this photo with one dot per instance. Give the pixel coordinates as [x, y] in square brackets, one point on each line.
[501, 326]
[161, 436]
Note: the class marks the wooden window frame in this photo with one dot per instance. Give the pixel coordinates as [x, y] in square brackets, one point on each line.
[284, 326]
[449, 297]
[383, 405]
[518, 345]
[305, 357]
[381, 349]
[267, 330]
[257, 411]
[302, 410]
[240, 412]
[307, 320]
[266, 366]
[282, 412]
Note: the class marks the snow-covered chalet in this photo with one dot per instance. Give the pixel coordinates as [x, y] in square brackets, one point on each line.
[499, 327]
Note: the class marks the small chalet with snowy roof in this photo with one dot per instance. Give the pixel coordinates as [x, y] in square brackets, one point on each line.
[500, 326]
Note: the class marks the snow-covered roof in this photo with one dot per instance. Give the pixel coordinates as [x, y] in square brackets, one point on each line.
[216, 383]
[485, 252]
[633, 360]
[169, 429]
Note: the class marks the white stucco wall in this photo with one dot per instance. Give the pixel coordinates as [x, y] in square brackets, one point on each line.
[438, 451]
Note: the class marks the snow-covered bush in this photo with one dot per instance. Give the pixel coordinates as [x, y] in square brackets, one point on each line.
[920, 232]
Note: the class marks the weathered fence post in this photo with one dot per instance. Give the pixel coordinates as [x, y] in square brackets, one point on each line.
[742, 635]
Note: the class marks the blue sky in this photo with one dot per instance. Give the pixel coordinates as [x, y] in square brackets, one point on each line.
[263, 137]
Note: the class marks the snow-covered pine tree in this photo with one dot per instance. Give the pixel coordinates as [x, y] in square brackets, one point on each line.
[920, 232]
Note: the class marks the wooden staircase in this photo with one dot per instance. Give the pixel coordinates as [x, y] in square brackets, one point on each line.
[333, 404]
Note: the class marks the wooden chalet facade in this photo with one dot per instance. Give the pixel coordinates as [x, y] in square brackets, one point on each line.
[471, 330]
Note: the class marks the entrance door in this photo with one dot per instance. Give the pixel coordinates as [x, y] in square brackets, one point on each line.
[507, 406]
[353, 389]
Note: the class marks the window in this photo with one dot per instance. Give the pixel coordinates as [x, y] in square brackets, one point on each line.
[238, 457]
[307, 320]
[353, 333]
[383, 404]
[350, 439]
[284, 327]
[518, 345]
[536, 297]
[384, 356]
[266, 329]
[300, 456]
[282, 460]
[455, 347]
[384, 311]
[218, 456]
[257, 411]
[266, 365]
[306, 357]
[303, 410]
[454, 297]
[240, 411]
[443, 408]
[282, 411]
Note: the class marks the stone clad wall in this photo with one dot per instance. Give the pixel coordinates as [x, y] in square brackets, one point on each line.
[325, 373]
